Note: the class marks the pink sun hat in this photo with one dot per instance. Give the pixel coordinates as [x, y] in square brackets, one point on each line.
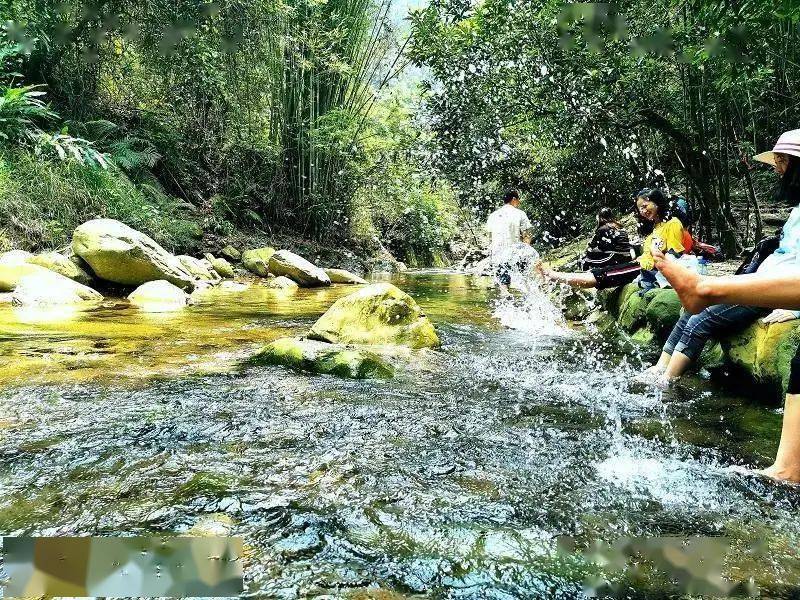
[788, 143]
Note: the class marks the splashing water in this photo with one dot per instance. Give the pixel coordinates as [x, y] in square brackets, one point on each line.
[533, 311]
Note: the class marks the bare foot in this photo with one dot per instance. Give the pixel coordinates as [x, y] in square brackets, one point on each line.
[685, 282]
[782, 473]
[649, 375]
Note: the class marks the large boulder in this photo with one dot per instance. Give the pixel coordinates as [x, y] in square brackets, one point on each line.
[120, 254]
[342, 276]
[49, 288]
[319, 357]
[62, 265]
[198, 269]
[256, 260]
[298, 269]
[376, 314]
[159, 296]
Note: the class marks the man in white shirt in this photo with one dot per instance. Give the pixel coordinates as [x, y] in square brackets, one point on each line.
[510, 229]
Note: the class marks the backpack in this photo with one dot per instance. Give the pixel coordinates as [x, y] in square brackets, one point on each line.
[756, 256]
[683, 210]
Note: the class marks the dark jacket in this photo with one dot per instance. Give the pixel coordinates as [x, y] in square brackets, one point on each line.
[610, 246]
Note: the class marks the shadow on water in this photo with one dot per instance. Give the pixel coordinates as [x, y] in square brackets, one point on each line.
[454, 479]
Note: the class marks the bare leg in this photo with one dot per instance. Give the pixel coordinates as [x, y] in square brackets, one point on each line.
[678, 363]
[697, 293]
[661, 365]
[578, 280]
[787, 460]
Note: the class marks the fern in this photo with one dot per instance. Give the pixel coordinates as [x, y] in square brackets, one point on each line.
[133, 153]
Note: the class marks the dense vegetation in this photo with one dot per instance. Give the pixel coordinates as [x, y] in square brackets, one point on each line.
[192, 119]
[583, 104]
[268, 115]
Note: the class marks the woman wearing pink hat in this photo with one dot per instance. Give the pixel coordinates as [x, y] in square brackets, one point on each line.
[777, 286]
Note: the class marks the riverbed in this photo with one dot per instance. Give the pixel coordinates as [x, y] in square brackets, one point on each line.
[453, 480]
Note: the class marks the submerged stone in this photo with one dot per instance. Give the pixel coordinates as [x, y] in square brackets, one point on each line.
[62, 265]
[298, 269]
[323, 358]
[376, 314]
[120, 254]
[343, 276]
[159, 296]
[257, 260]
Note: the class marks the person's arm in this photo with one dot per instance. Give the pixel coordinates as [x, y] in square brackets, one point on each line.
[526, 230]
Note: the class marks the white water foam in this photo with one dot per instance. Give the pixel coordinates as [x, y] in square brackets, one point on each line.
[532, 311]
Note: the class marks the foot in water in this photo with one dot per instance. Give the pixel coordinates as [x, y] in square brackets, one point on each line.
[687, 283]
[649, 375]
[780, 473]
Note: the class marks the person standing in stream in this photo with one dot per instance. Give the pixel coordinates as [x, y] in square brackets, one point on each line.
[510, 229]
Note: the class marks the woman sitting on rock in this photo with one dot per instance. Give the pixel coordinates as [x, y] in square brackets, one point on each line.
[610, 245]
[663, 233]
[691, 332]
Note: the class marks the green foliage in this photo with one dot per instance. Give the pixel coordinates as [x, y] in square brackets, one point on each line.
[24, 114]
[583, 104]
[30, 213]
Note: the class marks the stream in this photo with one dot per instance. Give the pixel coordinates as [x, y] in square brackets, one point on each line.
[455, 479]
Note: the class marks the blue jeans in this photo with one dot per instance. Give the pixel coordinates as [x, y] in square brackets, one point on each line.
[691, 332]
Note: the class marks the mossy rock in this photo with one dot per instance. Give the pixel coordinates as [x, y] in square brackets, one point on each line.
[256, 260]
[643, 336]
[633, 310]
[221, 266]
[577, 305]
[376, 314]
[663, 311]
[765, 351]
[712, 357]
[298, 269]
[62, 265]
[198, 268]
[322, 358]
[120, 254]
[230, 253]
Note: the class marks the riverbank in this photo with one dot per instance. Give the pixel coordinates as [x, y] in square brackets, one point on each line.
[757, 359]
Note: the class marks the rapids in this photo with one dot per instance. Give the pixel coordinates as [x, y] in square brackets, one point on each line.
[452, 480]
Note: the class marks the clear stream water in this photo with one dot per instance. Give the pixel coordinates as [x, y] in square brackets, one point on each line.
[453, 480]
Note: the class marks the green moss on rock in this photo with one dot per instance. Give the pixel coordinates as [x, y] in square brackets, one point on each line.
[376, 314]
[663, 312]
[322, 358]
